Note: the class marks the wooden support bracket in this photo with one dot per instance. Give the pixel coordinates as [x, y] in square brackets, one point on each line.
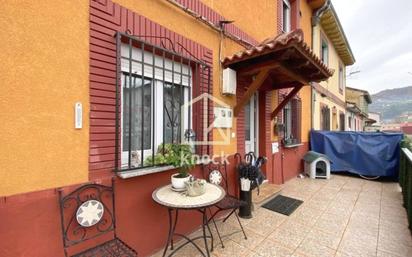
[253, 87]
[285, 101]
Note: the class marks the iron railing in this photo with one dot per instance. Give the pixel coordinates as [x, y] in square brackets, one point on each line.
[137, 97]
[405, 181]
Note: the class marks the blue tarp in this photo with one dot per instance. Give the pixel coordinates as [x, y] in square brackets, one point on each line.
[364, 153]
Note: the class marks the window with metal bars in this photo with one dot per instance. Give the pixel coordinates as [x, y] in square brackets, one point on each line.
[292, 122]
[154, 90]
[325, 118]
[342, 121]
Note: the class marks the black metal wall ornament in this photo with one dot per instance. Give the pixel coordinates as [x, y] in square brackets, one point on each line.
[73, 232]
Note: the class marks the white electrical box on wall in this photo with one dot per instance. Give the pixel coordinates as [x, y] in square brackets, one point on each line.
[78, 115]
[223, 117]
[229, 82]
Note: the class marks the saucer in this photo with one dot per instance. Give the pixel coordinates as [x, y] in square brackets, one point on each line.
[177, 189]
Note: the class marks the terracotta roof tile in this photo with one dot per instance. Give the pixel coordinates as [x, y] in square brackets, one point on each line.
[293, 38]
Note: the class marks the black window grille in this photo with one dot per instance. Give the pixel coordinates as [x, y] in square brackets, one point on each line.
[153, 84]
[325, 118]
[342, 121]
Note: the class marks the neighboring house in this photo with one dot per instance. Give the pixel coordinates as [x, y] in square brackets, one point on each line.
[360, 99]
[391, 127]
[331, 44]
[95, 87]
[404, 117]
[406, 128]
[373, 124]
[377, 117]
[354, 117]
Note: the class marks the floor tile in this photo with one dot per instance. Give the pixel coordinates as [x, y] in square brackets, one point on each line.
[253, 239]
[324, 239]
[394, 247]
[290, 234]
[268, 248]
[231, 249]
[311, 248]
[342, 217]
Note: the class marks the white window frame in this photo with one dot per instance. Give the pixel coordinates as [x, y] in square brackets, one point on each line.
[286, 16]
[157, 93]
[324, 54]
[341, 78]
[287, 116]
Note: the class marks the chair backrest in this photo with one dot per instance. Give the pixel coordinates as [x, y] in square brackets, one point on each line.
[86, 213]
[212, 171]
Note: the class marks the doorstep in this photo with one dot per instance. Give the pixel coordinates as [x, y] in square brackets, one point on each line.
[267, 192]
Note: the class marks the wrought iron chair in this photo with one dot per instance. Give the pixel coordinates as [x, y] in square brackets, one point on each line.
[88, 213]
[217, 174]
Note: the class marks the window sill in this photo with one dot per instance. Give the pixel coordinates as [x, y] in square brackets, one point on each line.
[292, 145]
[141, 172]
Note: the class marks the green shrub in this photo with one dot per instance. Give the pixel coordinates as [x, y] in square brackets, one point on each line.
[177, 155]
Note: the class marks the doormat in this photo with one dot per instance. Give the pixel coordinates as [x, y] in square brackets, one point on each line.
[282, 204]
[267, 192]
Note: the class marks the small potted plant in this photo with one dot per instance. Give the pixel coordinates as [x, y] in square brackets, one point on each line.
[181, 157]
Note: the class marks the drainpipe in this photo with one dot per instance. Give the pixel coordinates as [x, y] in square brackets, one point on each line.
[315, 21]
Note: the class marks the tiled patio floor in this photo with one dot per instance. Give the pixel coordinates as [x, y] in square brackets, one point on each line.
[344, 216]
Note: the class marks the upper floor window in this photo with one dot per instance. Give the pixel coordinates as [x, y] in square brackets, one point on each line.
[286, 16]
[341, 79]
[324, 51]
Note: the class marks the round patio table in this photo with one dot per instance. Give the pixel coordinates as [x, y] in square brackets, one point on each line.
[175, 201]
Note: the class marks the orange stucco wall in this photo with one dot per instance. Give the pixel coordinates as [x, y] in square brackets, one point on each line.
[44, 71]
[257, 18]
[45, 48]
[305, 92]
[184, 24]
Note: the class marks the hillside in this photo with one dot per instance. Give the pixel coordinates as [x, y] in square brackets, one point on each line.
[392, 102]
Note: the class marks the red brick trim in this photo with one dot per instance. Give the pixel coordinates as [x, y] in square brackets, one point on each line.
[106, 18]
[240, 119]
[295, 14]
[279, 21]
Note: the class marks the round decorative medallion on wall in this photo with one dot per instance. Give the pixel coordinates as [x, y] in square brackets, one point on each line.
[215, 177]
[89, 213]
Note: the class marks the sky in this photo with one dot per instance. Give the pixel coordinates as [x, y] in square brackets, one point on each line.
[380, 35]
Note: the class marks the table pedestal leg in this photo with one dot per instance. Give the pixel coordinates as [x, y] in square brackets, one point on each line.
[172, 227]
[204, 225]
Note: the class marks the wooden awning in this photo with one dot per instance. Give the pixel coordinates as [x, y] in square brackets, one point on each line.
[284, 61]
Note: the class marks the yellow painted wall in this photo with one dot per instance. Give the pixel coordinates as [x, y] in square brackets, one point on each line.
[326, 101]
[332, 84]
[354, 96]
[44, 71]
